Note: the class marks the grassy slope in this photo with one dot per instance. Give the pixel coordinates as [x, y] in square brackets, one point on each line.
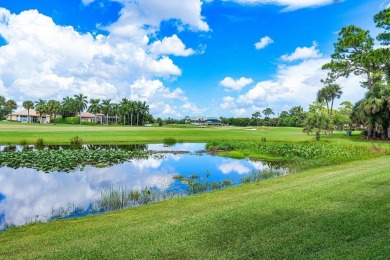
[334, 212]
[14, 133]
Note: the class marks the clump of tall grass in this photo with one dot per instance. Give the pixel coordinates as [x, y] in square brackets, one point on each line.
[39, 144]
[76, 142]
[255, 176]
[115, 199]
[169, 141]
[23, 142]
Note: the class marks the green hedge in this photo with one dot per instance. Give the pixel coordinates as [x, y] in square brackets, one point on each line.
[68, 120]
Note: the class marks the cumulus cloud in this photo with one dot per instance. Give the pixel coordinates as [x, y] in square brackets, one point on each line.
[187, 13]
[44, 60]
[171, 45]
[293, 85]
[231, 84]
[303, 53]
[264, 42]
[289, 5]
[163, 101]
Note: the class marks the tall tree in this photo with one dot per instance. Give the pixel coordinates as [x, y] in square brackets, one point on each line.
[133, 108]
[144, 109]
[2, 107]
[11, 106]
[81, 103]
[256, 116]
[106, 108]
[28, 104]
[353, 55]
[40, 107]
[115, 108]
[68, 107]
[53, 107]
[267, 112]
[94, 107]
[328, 94]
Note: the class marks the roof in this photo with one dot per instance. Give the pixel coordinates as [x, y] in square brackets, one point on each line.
[204, 118]
[86, 115]
[25, 113]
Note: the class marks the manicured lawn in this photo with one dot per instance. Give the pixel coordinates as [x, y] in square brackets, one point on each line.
[335, 212]
[15, 133]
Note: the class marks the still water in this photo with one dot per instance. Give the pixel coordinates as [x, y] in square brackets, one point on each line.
[28, 195]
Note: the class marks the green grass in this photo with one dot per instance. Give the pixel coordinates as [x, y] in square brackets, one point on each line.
[335, 212]
[15, 133]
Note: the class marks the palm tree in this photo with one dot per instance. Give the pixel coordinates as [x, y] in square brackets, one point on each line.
[133, 107]
[139, 107]
[328, 94]
[40, 107]
[94, 107]
[80, 103]
[68, 107]
[106, 108]
[124, 108]
[11, 106]
[143, 109]
[53, 107]
[115, 108]
[28, 104]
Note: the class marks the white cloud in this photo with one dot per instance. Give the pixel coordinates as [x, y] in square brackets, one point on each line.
[171, 45]
[264, 42]
[293, 85]
[303, 53]
[191, 108]
[231, 84]
[45, 60]
[152, 13]
[163, 101]
[87, 2]
[289, 5]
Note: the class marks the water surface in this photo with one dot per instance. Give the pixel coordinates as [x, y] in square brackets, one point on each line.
[28, 195]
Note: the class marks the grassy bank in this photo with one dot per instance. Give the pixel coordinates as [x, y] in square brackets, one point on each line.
[16, 133]
[338, 212]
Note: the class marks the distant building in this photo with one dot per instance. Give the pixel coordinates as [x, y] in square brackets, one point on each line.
[203, 120]
[24, 117]
[89, 117]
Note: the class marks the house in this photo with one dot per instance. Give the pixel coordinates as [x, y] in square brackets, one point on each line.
[25, 116]
[89, 117]
[203, 120]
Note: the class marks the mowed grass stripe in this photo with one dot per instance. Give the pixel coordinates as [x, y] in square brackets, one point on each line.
[15, 133]
[332, 212]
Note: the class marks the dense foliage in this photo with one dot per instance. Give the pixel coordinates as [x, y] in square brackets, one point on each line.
[356, 54]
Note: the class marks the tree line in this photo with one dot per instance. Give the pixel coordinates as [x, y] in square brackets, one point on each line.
[127, 112]
[355, 53]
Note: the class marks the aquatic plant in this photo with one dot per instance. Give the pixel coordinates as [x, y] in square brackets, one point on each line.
[299, 155]
[66, 160]
[39, 144]
[23, 142]
[76, 142]
[169, 141]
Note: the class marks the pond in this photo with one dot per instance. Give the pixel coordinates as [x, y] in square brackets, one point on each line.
[28, 195]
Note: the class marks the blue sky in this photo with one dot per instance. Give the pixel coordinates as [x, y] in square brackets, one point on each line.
[184, 57]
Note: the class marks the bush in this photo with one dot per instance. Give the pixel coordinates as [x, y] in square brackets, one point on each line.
[72, 120]
[88, 123]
